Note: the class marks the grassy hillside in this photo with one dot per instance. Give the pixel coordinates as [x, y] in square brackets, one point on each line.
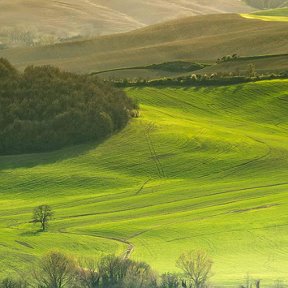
[154, 71]
[267, 4]
[201, 168]
[263, 64]
[282, 12]
[195, 39]
[279, 15]
[27, 22]
[268, 63]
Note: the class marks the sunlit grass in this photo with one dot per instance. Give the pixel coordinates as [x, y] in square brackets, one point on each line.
[280, 15]
[201, 168]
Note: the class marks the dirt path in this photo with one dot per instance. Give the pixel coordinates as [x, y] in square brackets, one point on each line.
[125, 255]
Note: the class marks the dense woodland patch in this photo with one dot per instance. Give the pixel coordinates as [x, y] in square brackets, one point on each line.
[44, 109]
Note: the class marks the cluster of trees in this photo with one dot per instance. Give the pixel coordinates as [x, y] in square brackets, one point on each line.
[213, 79]
[57, 270]
[228, 58]
[25, 36]
[44, 109]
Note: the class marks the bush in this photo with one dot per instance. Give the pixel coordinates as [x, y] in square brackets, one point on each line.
[88, 275]
[13, 283]
[169, 280]
[139, 275]
[117, 272]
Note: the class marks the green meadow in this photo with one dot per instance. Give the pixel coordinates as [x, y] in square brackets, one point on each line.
[280, 15]
[201, 168]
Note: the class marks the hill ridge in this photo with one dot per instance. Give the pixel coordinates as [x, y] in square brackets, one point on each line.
[197, 38]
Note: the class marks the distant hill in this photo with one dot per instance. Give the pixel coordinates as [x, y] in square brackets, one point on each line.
[277, 14]
[37, 22]
[267, 4]
[197, 39]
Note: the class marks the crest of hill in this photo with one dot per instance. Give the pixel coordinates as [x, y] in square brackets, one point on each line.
[267, 4]
[200, 38]
[42, 22]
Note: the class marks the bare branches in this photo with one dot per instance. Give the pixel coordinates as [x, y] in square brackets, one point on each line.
[196, 267]
[42, 214]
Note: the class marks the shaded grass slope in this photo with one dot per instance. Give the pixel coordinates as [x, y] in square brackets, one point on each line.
[201, 168]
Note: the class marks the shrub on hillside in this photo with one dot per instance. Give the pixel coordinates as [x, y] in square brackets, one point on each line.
[45, 109]
[13, 283]
[169, 280]
[124, 273]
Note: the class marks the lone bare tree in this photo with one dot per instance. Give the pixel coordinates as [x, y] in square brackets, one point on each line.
[196, 267]
[42, 214]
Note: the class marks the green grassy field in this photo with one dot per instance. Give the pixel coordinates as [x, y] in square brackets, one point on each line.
[201, 168]
[280, 15]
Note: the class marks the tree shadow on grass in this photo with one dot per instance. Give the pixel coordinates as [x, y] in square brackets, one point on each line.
[34, 233]
[35, 159]
[43, 158]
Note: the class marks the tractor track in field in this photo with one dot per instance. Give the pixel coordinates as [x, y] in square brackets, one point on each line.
[149, 128]
[143, 186]
[125, 255]
[176, 201]
[231, 170]
[187, 103]
[227, 231]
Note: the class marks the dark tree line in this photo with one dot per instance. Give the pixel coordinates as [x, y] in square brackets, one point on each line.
[196, 80]
[44, 109]
[57, 270]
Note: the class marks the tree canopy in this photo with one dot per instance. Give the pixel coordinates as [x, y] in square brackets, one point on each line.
[44, 109]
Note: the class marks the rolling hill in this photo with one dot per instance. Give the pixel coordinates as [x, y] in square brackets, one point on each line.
[36, 22]
[280, 14]
[197, 39]
[265, 64]
[267, 4]
[201, 168]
